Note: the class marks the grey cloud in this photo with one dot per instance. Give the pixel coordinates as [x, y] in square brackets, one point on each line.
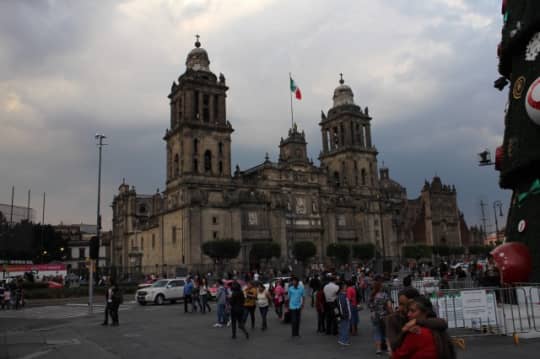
[85, 67]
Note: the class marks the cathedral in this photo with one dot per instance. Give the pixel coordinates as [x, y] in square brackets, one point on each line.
[345, 199]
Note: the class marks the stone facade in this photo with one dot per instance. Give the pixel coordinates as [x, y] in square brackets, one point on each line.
[292, 199]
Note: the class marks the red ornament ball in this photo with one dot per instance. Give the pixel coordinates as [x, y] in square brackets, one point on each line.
[514, 262]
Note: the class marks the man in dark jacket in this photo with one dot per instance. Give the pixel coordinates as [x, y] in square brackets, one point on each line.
[397, 320]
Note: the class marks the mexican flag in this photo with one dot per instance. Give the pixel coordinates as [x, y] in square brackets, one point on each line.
[295, 89]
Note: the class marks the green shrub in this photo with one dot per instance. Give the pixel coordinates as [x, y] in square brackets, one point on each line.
[304, 250]
[339, 251]
[363, 251]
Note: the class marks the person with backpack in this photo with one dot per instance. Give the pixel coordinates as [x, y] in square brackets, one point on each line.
[237, 309]
[380, 306]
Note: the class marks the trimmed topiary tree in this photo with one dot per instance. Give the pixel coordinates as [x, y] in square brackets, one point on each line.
[304, 250]
[442, 250]
[363, 251]
[265, 250]
[417, 251]
[480, 250]
[339, 251]
[457, 251]
[221, 250]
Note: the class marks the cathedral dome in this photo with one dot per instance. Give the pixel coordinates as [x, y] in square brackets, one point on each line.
[197, 59]
[343, 94]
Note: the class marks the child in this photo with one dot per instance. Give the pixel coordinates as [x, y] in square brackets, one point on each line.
[7, 299]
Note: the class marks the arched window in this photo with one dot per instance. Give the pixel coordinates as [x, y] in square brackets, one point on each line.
[195, 146]
[220, 148]
[220, 167]
[335, 139]
[142, 244]
[195, 165]
[153, 241]
[175, 169]
[336, 178]
[363, 177]
[208, 161]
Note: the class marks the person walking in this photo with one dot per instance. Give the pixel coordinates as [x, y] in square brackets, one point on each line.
[279, 298]
[250, 300]
[296, 303]
[263, 302]
[237, 309]
[319, 306]
[352, 296]
[221, 301]
[188, 290]
[196, 295]
[345, 314]
[116, 300]
[380, 306]
[314, 286]
[204, 294]
[2, 290]
[108, 305]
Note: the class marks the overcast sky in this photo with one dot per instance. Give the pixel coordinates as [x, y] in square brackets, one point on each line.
[69, 69]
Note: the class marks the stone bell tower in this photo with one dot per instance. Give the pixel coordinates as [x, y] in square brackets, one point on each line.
[199, 137]
[347, 150]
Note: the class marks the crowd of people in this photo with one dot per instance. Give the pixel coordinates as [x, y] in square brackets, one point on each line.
[407, 329]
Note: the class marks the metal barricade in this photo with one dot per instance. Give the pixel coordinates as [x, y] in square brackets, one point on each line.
[512, 311]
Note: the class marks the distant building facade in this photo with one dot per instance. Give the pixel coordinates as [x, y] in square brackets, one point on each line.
[344, 200]
[17, 214]
[78, 237]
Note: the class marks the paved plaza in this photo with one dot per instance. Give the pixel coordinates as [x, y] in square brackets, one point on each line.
[151, 332]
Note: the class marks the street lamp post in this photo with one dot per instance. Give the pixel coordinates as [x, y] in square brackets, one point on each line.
[100, 144]
[497, 204]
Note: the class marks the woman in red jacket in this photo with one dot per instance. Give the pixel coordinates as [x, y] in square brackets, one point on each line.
[421, 342]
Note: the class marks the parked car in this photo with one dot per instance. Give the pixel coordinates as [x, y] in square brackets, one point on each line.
[161, 291]
[52, 284]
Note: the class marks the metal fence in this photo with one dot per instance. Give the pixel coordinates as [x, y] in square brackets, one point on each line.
[470, 311]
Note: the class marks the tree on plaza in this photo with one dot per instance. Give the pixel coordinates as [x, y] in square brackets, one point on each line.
[417, 251]
[457, 251]
[363, 251]
[304, 250]
[221, 250]
[441, 250]
[480, 250]
[339, 251]
[28, 241]
[265, 250]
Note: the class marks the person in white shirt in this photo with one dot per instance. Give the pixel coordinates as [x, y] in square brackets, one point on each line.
[331, 291]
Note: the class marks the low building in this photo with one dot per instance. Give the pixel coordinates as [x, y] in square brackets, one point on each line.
[78, 238]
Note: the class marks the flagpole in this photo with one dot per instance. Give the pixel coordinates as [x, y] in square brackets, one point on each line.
[290, 92]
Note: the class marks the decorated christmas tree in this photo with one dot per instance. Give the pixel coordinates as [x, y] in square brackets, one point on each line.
[518, 160]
